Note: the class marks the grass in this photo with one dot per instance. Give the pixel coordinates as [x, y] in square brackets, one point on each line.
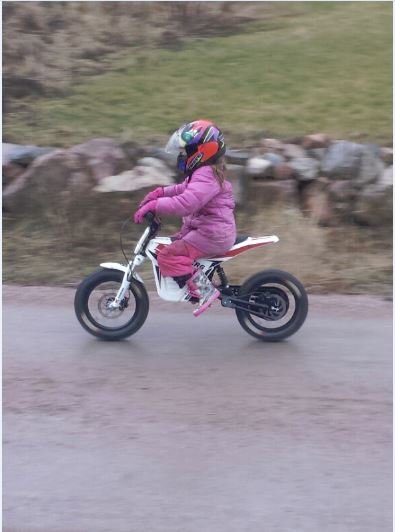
[300, 67]
[343, 260]
[315, 66]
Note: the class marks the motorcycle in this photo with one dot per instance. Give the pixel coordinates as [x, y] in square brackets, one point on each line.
[112, 303]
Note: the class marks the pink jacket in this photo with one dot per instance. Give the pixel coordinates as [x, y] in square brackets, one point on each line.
[206, 208]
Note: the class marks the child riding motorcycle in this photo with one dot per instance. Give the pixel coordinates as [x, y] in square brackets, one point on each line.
[206, 203]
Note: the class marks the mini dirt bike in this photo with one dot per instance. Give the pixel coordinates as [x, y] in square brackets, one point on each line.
[112, 303]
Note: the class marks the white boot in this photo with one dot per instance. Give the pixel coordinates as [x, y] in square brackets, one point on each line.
[206, 290]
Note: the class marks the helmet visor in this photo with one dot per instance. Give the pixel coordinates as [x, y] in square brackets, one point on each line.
[175, 143]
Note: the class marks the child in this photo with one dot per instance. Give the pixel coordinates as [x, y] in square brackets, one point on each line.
[206, 203]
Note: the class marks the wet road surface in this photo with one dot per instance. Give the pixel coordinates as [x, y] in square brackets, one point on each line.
[193, 426]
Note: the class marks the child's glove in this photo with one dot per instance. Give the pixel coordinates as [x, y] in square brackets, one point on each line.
[142, 211]
[155, 194]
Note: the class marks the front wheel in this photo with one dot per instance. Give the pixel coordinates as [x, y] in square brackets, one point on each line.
[92, 305]
[276, 305]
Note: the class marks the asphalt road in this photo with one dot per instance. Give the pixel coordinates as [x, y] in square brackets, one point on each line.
[193, 426]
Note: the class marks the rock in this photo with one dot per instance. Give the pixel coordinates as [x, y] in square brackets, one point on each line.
[272, 145]
[103, 156]
[261, 193]
[22, 155]
[149, 173]
[342, 160]
[306, 168]
[385, 179]
[11, 192]
[318, 140]
[154, 163]
[284, 171]
[317, 153]
[386, 155]
[342, 195]
[292, 151]
[235, 174]
[258, 167]
[11, 171]
[373, 206]
[274, 158]
[72, 175]
[342, 190]
[133, 152]
[371, 165]
[237, 156]
[315, 202]
[169, 158]
[40, 185]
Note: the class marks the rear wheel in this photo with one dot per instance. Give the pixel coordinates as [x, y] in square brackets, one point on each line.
[276, 305]
[92, 305]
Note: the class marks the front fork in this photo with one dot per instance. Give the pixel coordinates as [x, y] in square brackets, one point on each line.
[127, 277]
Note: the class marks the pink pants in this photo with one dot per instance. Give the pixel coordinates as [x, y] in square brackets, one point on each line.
[177, 258]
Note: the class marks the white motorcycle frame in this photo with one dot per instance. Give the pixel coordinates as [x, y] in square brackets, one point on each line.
[167, 287]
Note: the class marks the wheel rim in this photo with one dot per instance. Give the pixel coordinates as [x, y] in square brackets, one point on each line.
[98, 308]
[280, 310]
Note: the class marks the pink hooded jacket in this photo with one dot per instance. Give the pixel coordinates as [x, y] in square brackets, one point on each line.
[206, 208]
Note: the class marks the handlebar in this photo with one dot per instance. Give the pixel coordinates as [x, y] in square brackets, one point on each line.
[154, 223]
[150, 216]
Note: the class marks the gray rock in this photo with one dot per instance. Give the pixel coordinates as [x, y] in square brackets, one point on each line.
[385, 179]
[154, 163]
[237, 156]
[292, 151]
[11, 171]
[131, 180]
[274, 158]
[386, 155]
[41, 184]
[318, 140]
[258, 167]
[262, 193]
[65, 176]
[103, 156]
[315, 202]
[342, 160]
[22, 155]
[342, 194]
[317, 153]
[284, 171]
[342, 191]
[272, 145]
[235, 174]
[150, 172]
[133, 152]
[169, 158]
[371, 165]
[306, 168]
[373, 206]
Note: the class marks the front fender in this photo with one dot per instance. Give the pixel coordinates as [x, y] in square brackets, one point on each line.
[114, 266]
[121, 268]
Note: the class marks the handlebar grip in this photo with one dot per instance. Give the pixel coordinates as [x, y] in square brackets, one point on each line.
[150, 216]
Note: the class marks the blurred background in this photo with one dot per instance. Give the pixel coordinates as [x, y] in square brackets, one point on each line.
[302, 91]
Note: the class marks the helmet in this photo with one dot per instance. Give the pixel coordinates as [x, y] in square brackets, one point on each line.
[202, 141]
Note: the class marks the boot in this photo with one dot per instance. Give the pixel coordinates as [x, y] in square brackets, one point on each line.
[201, 288]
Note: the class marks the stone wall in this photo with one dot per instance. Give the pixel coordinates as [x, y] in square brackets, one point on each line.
[332, 181]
